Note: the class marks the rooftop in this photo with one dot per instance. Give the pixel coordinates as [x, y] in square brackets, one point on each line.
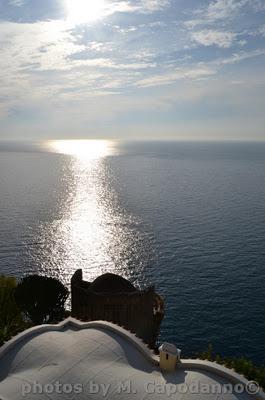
[75, 360]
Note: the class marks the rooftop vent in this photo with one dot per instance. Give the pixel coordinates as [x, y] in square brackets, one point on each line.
[169, 356]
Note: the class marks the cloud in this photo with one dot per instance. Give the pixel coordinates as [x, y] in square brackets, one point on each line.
[241, 56]
[217, 11]
[222, 9]
[193, 73]
[43, 44]
[258, 5]
[140, 6]
[118, 7]
[42, 60]
[262, 30]
[154, 5]
[211, 37]
[16, 3]
[85, 75]
[106, 63]
[197, 72]
[30, 11]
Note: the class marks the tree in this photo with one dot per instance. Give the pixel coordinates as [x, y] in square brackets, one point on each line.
[11, 321]
[41, 298]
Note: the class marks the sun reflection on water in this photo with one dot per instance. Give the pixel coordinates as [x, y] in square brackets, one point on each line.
[83, 225]
[82, 149]
[93, 232]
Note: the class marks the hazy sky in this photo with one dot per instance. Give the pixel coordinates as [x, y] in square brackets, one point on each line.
[137, 68]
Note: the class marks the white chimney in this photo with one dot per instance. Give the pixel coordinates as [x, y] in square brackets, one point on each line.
[169, 356]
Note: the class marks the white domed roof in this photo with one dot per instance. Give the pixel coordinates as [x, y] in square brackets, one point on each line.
[95, 360]
[169, 348]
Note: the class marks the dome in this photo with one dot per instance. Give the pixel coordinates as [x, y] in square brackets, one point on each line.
[109, 283]
[96, 360]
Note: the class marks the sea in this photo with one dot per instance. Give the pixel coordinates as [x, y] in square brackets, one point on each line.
[186, 217]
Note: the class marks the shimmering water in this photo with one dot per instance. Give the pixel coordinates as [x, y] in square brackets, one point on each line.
[187, 217]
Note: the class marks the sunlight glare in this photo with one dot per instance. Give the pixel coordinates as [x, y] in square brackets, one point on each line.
[82, 149]
[85, 11]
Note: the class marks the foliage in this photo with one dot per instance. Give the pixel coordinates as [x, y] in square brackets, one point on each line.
[41, 298]
[241, 365]
[11, 321]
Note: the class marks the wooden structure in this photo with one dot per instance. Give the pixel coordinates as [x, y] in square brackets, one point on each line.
[112, 298]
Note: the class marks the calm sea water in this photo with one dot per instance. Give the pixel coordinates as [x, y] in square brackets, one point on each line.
[186, 217]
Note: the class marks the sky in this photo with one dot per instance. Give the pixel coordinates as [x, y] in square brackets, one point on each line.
[144, 69]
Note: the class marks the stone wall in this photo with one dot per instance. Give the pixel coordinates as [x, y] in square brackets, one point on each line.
[139, 311]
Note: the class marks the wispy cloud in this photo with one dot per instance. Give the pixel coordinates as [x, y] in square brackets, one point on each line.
[240, 56]
[118, 7]
[140, 56]
[16, 3]
[211, 37]
[153, 5]
[223, 9]
[260, 31]
[141, 6]
[179, 74]
[217, 11]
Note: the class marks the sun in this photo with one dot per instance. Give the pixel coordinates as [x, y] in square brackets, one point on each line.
[85, 11]
[81, 149]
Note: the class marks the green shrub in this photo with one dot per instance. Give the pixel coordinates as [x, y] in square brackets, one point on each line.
[41, 298]
[11, 321]
[241, 365]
